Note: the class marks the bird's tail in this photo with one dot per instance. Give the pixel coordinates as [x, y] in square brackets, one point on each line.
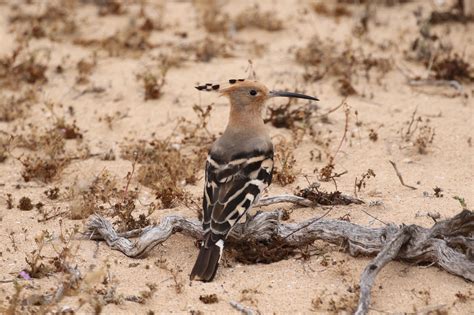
[207, 261]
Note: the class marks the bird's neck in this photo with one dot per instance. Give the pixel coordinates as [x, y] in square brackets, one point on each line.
[246, 120]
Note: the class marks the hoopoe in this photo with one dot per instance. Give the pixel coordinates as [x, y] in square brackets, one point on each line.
[238, 168]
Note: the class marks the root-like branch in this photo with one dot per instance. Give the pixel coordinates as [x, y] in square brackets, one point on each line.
[333, 199]
[449, 244]
[388, 253]
[285, 198]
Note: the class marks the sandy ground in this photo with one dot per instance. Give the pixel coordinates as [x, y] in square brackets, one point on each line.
[292, 285]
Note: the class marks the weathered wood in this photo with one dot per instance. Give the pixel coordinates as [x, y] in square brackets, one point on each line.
[242, 308]
[388, 253]
[438, 245]
[285, 198]
[300, 201]
[449, 244]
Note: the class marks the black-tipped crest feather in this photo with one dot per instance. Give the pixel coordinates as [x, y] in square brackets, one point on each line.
[215, 87]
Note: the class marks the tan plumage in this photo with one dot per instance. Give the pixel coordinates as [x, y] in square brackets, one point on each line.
[238, 169]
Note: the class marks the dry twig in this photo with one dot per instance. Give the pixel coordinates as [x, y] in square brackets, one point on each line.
[242, 308]
[400, 176]
[388, 253]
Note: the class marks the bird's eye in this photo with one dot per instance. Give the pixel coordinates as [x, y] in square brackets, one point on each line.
[253, 92]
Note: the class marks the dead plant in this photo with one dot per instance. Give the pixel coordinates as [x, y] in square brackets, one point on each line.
[284, 172]
[252, 17]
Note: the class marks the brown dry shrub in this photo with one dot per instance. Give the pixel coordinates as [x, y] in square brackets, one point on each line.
[326, 173]
[252, 17]
[388, 3]
[453, 68]
[418, 133]
[334, 11]
[110, 7]
[167, 165]
[42, 169]
[298, 119]
[424, 139]
[211, 16]
[215, 21]
[337, 302]
[49, 157]
[208, 48]
[106, 196]
[14, 107]
[55, 21]
[18, 68]
[68, 130]
[209, 298]
[25, 204]
[54, 256]
[362, 182]
[284, 172]
[345, 88]
[152, 84]
[283, 116]
[85, 67]
[323, 59]
[436, 54]
[321, 197]
[257, 252]
[5, 141]
[194, 134]
[154, 78]
[163, 168]
[132, 41]
[316, 53]
[48, 141]
[86, 199]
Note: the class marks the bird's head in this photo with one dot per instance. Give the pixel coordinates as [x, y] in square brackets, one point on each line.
[248, 95]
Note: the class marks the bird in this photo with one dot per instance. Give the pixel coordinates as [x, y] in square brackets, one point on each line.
[238, 169]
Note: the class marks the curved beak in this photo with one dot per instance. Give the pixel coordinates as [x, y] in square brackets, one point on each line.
[291, 94]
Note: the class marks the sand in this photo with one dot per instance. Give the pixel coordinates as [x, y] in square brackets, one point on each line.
[325, 282]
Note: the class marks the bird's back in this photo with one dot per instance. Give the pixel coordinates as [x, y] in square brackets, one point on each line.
[237, 171]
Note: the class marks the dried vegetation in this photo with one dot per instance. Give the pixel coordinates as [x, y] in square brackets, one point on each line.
[22, 67]
[214, 20]
[57, 256]
[166, 165]
[284, 172]
[253, 17]
[337, 302]
[323, 58]
[132, 40]
[16, 106]
[54, 21]
[48, 155]
[417, 134]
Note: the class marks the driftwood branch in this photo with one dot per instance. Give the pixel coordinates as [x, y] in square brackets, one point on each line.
[308, 202]
[242, 308]
[388, 253]
[449, 244]
[285, 198]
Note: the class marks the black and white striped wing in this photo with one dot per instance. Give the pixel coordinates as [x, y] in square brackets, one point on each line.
[232, 188]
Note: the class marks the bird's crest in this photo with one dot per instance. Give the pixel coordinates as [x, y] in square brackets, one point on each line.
[210, 87]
